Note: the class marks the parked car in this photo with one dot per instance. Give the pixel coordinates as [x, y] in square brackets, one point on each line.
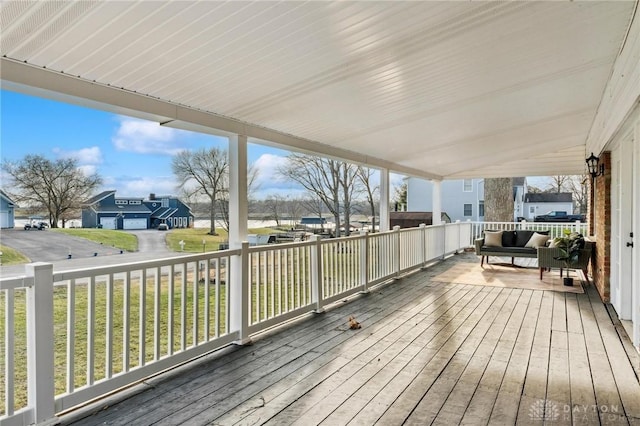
[163, 227]
[35, 225]
[559, 216]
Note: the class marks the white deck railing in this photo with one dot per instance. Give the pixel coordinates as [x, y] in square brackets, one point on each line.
[555, 229]
[71, 337]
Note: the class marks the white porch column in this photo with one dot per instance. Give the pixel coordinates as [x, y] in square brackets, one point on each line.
[384, 200]
[238, 215]
[437, 202]
[238, 202]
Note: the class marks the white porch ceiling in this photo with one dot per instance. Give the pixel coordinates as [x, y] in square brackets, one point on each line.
[434, 89]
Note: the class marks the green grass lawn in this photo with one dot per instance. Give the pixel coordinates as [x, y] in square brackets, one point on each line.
[80, 335]
[11, 256]
[107, 237]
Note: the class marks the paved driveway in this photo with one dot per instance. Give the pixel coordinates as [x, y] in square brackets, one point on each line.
[54, 247]
[48, 246]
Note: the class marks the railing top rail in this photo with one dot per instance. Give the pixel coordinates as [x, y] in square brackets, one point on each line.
[16, 282]
[140, 265]
[282, 246]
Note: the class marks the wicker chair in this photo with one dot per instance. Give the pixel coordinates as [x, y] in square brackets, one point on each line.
[546, 259]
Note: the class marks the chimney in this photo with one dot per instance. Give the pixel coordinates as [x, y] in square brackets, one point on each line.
[152, 196]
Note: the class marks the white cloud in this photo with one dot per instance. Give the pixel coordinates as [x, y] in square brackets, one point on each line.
[148, 137]
[267, 166]
[85, 156]
[139, 186]
[88, 169]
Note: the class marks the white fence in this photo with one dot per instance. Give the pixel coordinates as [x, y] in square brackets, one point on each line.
[556, 229]
[71, 337]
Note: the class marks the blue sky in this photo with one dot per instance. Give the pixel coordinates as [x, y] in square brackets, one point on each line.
[133, 156]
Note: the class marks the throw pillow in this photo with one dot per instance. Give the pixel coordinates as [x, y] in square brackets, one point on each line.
[537, 240]
[493, 238]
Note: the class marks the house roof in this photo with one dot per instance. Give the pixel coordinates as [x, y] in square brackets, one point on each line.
[101, 196]
[163, 212]
[548, 197]
[429, 89]
[6, 197]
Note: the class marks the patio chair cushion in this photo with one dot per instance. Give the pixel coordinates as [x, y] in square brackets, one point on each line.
[537, 240]
[493, 238]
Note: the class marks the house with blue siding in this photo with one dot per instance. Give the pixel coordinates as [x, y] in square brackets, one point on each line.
[170, 210]
[109, 211]
[7, 210]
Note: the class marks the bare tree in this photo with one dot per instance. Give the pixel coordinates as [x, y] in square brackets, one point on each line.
[275, 205]
[370, 190]
[558, 184]
[400, 196]
[577, 185]
[223, 200]
[320, 177]
[56, 186]
[498, 200]
[350, 184]
[315, 206]
[203, 173]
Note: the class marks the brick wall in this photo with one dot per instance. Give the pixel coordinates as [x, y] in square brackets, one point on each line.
[600, 218]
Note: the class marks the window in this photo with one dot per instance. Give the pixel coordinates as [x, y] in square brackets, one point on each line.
[121, 202]
[532, 209]
[135, 202]
[481, 208]
[468, 209]
[467, 186]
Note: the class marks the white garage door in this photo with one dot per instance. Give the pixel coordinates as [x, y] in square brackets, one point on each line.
[135, 224]
[108, 222]
[4, 219]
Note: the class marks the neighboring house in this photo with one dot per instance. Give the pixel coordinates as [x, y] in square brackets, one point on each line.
[170, 210]
[461, 199]
[464, 199]
[7, 207]
[519, 191]
[540, 203]
[108, 211]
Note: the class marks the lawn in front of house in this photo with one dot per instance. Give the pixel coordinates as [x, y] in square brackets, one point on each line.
[11, 257]
[107, 237]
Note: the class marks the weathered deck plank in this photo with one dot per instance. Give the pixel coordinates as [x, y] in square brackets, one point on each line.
[428, 353]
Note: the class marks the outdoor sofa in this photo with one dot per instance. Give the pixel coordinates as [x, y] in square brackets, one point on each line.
[515, 243]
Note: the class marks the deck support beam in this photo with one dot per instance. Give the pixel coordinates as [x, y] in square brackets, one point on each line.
[384, 200]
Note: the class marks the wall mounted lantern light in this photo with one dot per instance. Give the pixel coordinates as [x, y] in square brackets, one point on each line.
[595, 168]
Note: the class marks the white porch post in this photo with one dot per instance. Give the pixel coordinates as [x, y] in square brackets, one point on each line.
[40, 359]
[238, 215]
[436, 202]
[384, 200]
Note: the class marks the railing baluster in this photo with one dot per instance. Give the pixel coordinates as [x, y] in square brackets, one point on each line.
[207, 301]
[183, 307]
[108, 367]
[91, 321]
[142, 350]
[196, 303]
[71, 334]
[170, 308]
[156, 315]
[9, 342]
[126, 321]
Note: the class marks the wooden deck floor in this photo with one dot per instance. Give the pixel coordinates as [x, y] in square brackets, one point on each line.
[427, 353]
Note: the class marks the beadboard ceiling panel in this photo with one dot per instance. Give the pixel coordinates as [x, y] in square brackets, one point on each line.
[437, 89]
